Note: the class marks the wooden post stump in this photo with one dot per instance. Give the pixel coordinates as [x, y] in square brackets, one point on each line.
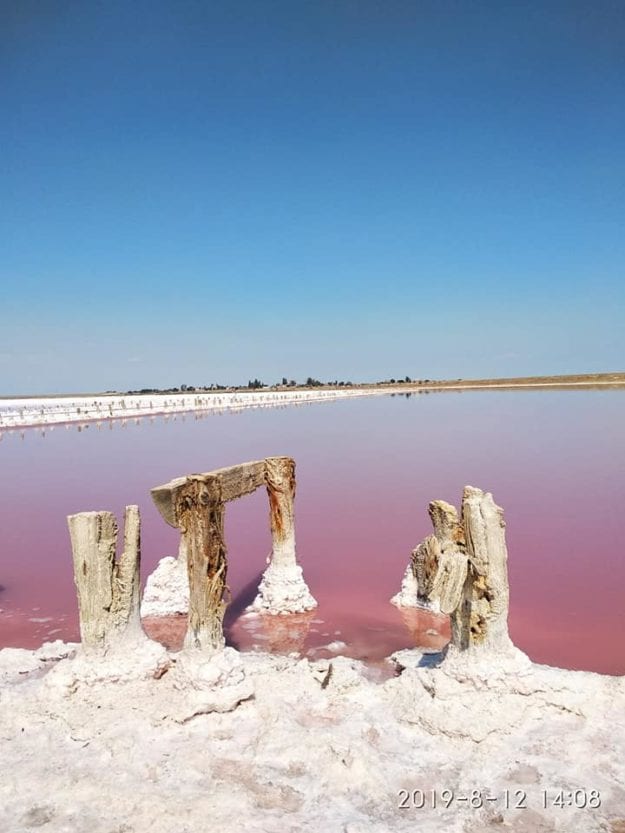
[108, 589]
[462, 571]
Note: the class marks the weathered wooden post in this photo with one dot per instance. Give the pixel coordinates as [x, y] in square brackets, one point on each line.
[282, 588]
[280, 480]
[108, 590]
[461, 570]
[200, 512]
[481, 618]
[195, 505]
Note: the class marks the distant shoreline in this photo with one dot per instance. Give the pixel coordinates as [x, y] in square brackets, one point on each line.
[39, 411]
[617, 378]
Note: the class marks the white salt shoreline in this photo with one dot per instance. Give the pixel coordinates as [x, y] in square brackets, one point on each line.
[40, 411]
[29, 412]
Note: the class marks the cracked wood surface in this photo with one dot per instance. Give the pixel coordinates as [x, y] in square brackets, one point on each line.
[462, 568]
[108, 589]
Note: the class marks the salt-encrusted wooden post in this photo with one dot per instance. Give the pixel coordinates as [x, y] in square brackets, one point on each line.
[437, 570]
[200, 513]
[108, 590]
[462, 570]
[196, 505]
[280, 480]
[481, 618]
[282, 588]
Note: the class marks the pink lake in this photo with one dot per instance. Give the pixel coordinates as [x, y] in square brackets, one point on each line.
[366, 470]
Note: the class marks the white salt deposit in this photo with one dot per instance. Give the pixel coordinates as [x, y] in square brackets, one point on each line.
[29, 411]
[254, 742]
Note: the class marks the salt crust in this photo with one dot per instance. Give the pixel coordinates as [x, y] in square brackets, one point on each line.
[282, 590]
[145, 740]
[167, 589]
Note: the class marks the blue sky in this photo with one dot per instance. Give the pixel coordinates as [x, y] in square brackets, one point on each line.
[195, 192]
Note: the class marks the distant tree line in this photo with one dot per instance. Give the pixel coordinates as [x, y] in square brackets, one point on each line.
[257, 384]
[181, 389]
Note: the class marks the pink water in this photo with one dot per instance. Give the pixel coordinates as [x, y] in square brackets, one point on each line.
[366, 469]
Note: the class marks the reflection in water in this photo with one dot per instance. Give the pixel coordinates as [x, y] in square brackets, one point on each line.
[294, 634]
[253, 631]
[428, 630]
[168, 630]
[165, 418]
[278, 634]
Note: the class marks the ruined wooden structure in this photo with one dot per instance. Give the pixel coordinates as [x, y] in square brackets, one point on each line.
[108, 589]
[461, 570]
[195, 505]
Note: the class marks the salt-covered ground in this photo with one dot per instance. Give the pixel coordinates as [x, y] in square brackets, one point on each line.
[29, 411]
[183, 743]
